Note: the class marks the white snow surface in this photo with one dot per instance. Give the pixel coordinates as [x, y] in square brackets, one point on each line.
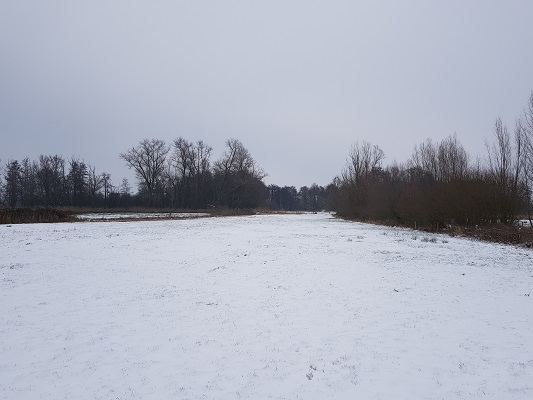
[261, 307]
[106, 216]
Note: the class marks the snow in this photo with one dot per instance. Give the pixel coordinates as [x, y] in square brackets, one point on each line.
[524, 223]
[261, 307]
[109, 216]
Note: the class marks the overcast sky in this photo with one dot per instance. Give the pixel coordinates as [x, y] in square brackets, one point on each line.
[296, 81]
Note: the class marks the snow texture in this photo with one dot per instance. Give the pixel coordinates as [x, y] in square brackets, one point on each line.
[111, 216]
[261, 307]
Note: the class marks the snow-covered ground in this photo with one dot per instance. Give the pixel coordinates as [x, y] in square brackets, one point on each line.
[524, 223]
[108, 216]
[261, 307]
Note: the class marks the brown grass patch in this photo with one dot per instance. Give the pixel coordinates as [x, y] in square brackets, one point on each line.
[34, 215]
[496, 233]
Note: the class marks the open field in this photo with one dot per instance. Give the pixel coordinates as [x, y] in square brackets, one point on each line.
[261, 307]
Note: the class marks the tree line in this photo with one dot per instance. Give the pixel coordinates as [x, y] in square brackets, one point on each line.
[179, 175]
[182, 175]
[53, 181]
[439, 185]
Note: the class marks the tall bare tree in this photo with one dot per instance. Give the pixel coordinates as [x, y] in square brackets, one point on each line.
[51, 179]
[362, 167]
[107, 187]
[77, 180]
[239, 178]
[200, 173]
[178, 171]
[362, 160]
[425, 159]
[452, 160]
[527, 133]
[506, 164]
[148, 162]
[94, 183]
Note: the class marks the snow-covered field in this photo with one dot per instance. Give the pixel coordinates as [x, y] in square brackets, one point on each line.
[261, 307]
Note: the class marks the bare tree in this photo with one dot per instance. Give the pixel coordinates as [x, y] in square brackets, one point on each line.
[148, 161]
[425, 159]
[51, 179]
[363, 159]
[107, 186]
[239, 178]
[77, 181]
[452, 160]
[178, 171]
[181, 157]
[13, 186]
[528, 115]
[29, 182]
[200, 173]
[125, 187]
[527, 138]
[362, 169]
[202, 154]
[237, 159]
[444, 162]
[94, 183]
[506, 164]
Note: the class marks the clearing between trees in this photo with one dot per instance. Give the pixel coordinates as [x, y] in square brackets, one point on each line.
[261, 306]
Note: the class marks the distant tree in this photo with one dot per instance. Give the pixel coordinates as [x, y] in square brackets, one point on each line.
[304, 199]
[452, 160]
[527, 138]
[363, 158]
[179, 171]
[273, 197]
[317, 197]
[29, 183]
[107, 187]
[506, 164]
[360, 171]
[51, 180]
[13, 184]
[200, 174]
[289, 198]
[148, 162]
[78, 181]
[443, 162]
[238, 177]
[187, 174]
[283, 198]
[94, 183]
[437, 172]
[333, 195]
[124, 194]
[1, 185]
[125, 188]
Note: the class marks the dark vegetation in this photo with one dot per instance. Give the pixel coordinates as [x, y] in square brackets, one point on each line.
[34, 215]
[439, 188]
[501, 233]
[180, 176]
